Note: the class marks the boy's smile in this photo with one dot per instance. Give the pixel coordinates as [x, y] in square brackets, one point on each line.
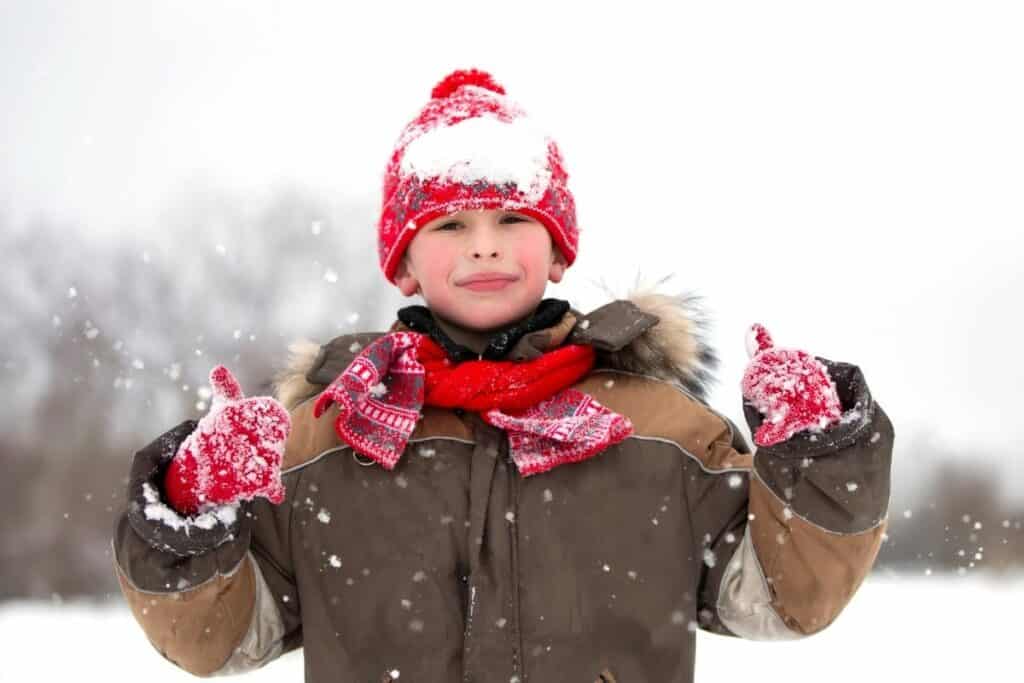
[481, 268]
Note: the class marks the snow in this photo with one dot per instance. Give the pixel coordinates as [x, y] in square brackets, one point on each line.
[208, 517]
[483, 148]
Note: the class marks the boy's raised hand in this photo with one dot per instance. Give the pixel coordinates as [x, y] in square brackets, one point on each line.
[235, 452]
[790, 388]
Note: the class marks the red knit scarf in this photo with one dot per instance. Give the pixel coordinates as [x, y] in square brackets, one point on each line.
[381, 392]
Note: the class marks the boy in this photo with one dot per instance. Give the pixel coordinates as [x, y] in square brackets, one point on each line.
[501, 488]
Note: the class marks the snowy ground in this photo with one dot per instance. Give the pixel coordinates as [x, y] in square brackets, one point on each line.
[896, 629]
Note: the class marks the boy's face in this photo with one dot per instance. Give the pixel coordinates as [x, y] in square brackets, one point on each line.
[449, 252]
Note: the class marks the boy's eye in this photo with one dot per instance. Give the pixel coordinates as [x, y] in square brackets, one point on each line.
[504, 219]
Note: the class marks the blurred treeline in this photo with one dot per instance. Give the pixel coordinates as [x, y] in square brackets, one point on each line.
[107, 343]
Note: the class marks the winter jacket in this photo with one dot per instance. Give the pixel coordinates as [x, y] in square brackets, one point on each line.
[453, 567]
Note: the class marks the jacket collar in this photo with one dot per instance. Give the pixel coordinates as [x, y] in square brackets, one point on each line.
[548, 314]
[647, 333]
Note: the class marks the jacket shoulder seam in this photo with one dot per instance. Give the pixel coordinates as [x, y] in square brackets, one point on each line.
[342, 447]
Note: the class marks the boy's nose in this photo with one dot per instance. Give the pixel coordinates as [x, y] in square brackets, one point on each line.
[484, 243]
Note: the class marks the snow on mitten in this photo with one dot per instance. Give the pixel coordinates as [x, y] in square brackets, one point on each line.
[791, 388]
[235, 452]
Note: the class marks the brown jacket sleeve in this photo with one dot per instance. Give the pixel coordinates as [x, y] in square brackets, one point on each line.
[787, 540]
[228, 610]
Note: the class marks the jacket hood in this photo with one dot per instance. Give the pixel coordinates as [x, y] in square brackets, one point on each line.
[646, 333]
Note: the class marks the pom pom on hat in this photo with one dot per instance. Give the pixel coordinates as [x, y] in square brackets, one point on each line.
[472, 148]
[461, 77]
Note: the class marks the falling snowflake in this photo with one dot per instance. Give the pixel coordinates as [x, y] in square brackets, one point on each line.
[548, 496]
[735, 481]
[851, 486]
[324, 516]
[335, 561]
[354, 347]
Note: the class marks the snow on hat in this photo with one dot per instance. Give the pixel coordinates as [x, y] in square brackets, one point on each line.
[471, 147]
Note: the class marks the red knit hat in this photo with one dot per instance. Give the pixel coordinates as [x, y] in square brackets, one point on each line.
[471, 147]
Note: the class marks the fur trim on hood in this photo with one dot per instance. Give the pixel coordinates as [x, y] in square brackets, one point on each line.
[676, 349]
[673, 347]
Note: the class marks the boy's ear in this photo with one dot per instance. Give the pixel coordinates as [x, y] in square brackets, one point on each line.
[405, 280]
[557, 268]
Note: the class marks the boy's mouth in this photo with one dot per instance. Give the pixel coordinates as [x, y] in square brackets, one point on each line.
[488, 285]
[488, 281]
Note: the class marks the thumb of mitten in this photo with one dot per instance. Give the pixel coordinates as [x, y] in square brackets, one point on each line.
[758, 340]
[225, 386]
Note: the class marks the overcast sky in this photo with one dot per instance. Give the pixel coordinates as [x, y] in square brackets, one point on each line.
[849, 174]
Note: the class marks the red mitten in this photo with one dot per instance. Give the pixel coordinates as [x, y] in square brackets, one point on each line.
[234, 453]
[790, 388]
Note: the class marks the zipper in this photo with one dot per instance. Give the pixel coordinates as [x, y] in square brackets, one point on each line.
[517, 635]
